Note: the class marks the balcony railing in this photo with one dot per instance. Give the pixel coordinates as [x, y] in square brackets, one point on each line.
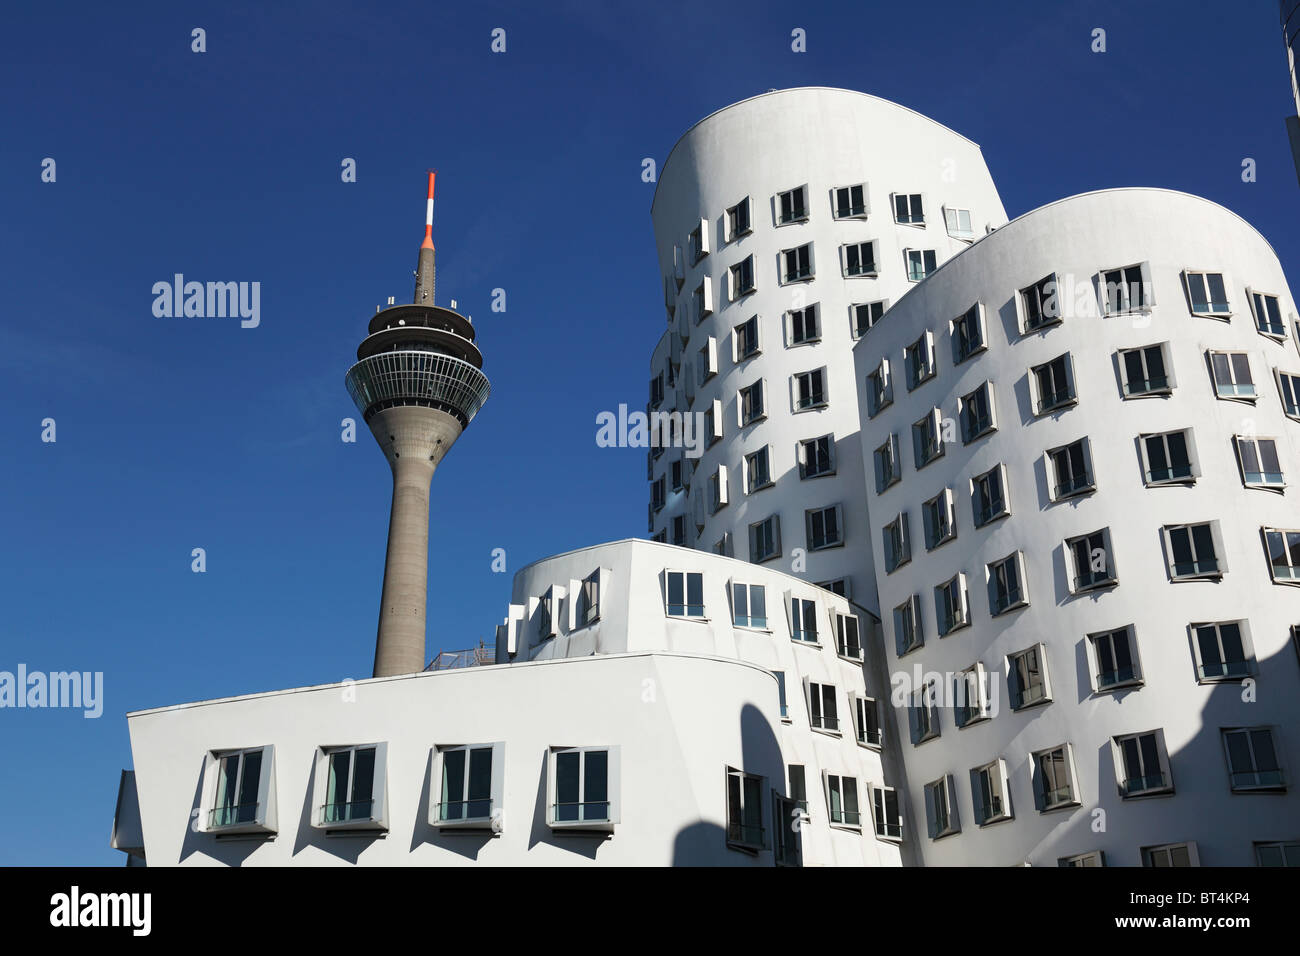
[1215, 669]
[232, 816]
[1120, 675]
[1148, 386]
[1073, 485]
[418, 378]
[1053, 400]
[347, 812]
[1189, 569]
[1177, 472]
[1147, 784]
[588, 812]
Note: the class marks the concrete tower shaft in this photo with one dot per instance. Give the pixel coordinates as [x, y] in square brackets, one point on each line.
[418, 384]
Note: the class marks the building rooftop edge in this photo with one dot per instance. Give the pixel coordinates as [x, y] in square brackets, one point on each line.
[432, 674]
[793, 89]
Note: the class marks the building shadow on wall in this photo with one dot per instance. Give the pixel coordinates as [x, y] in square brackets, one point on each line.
[705, 843]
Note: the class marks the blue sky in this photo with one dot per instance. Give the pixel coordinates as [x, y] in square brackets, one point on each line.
[174, 434]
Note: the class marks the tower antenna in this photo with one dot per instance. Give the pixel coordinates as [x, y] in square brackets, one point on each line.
[425, 271]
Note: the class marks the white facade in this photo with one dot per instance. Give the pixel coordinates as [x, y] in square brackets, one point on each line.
[815, 141]
[674, 707]
[1177, 690]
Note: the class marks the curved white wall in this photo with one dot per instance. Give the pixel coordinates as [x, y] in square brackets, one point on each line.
[1075, 238]
[821, 138]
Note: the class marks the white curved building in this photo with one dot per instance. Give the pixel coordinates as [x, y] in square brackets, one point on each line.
[785, 225]
[1087, 510]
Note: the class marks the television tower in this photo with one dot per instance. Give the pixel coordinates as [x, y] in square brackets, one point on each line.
[418, 383]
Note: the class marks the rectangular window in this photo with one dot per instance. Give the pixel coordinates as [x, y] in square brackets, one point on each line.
[583, 787]
[924, 713]
[970, 700]
[897, 541]
[939, 518]
[703, 300]
[658, 489]
[851, 201]
[927, 440]
[780, 694]
[822, 714]
[1040, 305]
[952, 605]
[1231, 372]
[859, 259]
[968, 335]
[888, 468]
[990, 793]
[798, 263]
[889, 816]
[816, 457]
[679, 530]
[1054, 778]
[738, 220]
[848, 643]
[751, 403]
[842, 799]
[803, 325]
[1283, 555]
[741, 278]
[1126, 289]
[758, 475]
[745, 810]
[918, 360]
[907, 626]
[749, 605]
[825, 528]
[958, 222]
[803, 620]
[657, 390]
[941, 808]
[1277, 854]
[1288, 387]
[746, 339]
[1054, 384]
[718, 495]
[765, 539]
[1260, 465]
[350, 786]
[799, 788]
[868, 721]
[1095, 858]
[1071, 468]
[708, 360]
[976, 412]
[242, 791]
[1115, 653]
[546, 615]
[589, 599]
[1168, 458]
[469, 792]
[675, 472]
[1192, 551]
[1207, 294]
[1091, 561]
[1006, 581]
[920, 263]
[685, 593]
[792, 205]
[1252, 759]
[1268, 314]
[1171, 854]
[1141, 764]
[880, 389]
[1222, 651]
[1145, 371]
[988, 496]
[909, 209]
[698, 243]
[1027, 677]
[810, 389]
[723, 545]
[865, 316]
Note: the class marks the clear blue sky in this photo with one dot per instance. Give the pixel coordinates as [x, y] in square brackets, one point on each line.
[182, 433]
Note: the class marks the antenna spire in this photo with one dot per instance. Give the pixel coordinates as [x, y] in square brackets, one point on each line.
[425, 272]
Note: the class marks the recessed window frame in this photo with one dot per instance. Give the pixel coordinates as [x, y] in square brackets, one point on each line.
[874, 314]
[831, 519]
[478, 812]
[939, 519]
[1115, 289]
[1055, 783]
[1014, 598]
[1225, 637]
[985, 514]
[920, 264]
[1266, 310]
[1200, 567]
[952, 605]
[1106, 661]
[797, 264]
[856, 202]
[909, 630]
[809, 390]
[765, 539]
[691, 584]
[791, 205]
[1091, 578]
[1150, 774]
[745, 340]
[896, 542]
[860, 260]
[740, 279]
[969, 333]
[1226, 376]
[910, 211]
[1171, 473]
[978, 414]
[1038, 305]
[739, 220]
[1209, 311]
[1254, 776]
[919, 361]
[1155, 370]
[941, 814]
[816, 457]
[1029, 680]
[888, 825]
[1063, 394]
[990, 792]
[880, 389]
[1082, 477]
[611, 790]
[887, 454]
[1260, 451]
